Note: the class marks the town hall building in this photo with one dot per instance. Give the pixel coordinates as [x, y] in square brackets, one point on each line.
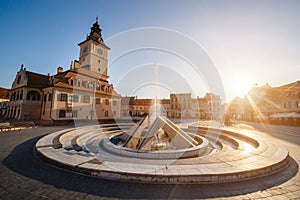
[82, 92]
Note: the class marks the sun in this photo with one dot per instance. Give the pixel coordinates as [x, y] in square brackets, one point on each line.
[240, 85]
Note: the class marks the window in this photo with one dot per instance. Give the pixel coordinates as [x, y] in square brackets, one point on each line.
[78, 82]
[63, 97]
[21, 95]
[73, 98]
[71, 81]
[19, 80]
[50, 97]
[14, 96]
[83, 83]
[86, 99]
[98, 87]
[114, 103]
[45, 97]
[98, 101]
[106, 102]
[75, 113]
[106, 113]
[17, 98]
[62, 113]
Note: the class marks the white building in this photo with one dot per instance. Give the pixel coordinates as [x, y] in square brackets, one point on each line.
[82, 92]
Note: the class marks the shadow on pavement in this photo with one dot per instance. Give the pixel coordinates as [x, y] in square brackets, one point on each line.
[23, 160]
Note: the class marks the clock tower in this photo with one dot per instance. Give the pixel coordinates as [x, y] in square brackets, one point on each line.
[94, 52]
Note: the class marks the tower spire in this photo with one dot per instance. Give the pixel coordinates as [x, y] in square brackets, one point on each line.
[95, 33]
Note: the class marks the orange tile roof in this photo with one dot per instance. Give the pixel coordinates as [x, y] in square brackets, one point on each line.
[4, 93]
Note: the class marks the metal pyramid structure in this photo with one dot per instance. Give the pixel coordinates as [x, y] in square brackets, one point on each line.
[160, 134]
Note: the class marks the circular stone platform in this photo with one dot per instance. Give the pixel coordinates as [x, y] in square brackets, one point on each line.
[228, 156]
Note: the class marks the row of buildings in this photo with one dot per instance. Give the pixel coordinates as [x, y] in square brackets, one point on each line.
[181, 105]
[267, 103]
[83, 92]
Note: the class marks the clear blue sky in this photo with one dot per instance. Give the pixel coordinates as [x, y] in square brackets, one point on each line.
[249, 41]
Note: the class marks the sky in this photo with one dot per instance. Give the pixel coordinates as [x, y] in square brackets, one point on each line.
[247, 41]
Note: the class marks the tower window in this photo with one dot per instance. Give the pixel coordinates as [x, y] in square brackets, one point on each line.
[99, 61]
[99, 69]
[85, 49]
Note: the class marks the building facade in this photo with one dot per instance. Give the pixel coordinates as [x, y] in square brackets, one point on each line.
[180, 105]
[4, 99]
[82, 92]
[265, 101]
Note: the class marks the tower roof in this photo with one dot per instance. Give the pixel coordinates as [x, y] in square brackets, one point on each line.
[95, 34]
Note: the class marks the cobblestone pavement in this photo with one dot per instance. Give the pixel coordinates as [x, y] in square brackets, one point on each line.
[24, 176]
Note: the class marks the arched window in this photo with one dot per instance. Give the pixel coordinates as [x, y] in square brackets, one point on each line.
[98, 86]
[19, 79]
[71, 81]
[33, 96]
[21, 95]
[78, 82]
[14, 96]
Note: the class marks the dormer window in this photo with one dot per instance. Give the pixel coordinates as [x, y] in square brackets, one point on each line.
[98, 87]
[91, 85]
[78, 82]
[84, 84]
[71, 81]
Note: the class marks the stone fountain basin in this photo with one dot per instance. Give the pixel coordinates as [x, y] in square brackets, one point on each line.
[158, 154]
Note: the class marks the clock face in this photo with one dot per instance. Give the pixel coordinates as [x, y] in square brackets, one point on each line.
[100, 51]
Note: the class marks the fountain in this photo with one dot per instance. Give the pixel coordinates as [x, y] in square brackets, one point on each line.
[159, 151]
[155, 150]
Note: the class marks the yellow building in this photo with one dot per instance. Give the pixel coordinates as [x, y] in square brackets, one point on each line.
[82, 92]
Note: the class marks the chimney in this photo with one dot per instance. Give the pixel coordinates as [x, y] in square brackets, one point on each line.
[59, 70]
